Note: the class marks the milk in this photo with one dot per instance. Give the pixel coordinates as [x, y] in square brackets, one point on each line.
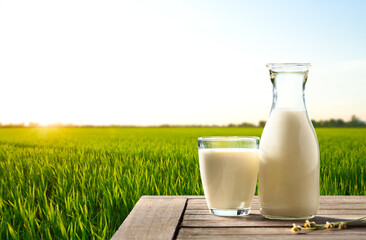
[229, 176]
[289, 166]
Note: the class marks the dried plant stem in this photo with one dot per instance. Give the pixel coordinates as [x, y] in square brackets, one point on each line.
[328, 225]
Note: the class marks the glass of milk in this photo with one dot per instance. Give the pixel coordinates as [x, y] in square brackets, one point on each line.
[229, 169]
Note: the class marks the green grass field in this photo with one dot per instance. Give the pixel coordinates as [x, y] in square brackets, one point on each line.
[81, 183]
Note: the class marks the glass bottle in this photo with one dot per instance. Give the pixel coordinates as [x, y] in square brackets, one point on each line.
[288, 185]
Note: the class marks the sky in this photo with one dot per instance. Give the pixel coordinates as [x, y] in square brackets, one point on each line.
[175, 62]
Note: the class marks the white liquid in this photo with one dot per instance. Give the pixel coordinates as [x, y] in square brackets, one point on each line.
[229, 177]
[289, 166]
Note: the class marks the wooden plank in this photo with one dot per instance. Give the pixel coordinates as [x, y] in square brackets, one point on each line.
[332, 208]
[323, 199]
[353, 206]
[320, 212]
[275, 237]
[167, 217]
[326, 203]
[255, 220]
[258, 221]
[254, 217]
[198, 223]
[152, 218]
[274, 233]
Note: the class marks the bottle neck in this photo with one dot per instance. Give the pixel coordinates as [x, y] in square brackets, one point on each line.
[288, 89]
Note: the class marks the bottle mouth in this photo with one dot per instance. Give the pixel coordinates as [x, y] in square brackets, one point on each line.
[288, 67]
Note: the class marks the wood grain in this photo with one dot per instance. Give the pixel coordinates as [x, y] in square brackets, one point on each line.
[326, 203]
[267, 233]
[320, 212]
[198, 223]
[152, 218]
[255, 221]
[187, 217]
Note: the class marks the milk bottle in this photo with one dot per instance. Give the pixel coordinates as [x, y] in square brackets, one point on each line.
[288, 185]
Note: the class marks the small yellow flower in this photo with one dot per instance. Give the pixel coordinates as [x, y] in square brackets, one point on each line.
[309, 224]
[328, 225]
[342, 226]
[295, 228]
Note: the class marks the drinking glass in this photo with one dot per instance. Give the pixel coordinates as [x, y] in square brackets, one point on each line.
[229, 169]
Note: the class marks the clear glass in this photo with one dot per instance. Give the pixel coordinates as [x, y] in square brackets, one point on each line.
[229, 169]
[288, 185]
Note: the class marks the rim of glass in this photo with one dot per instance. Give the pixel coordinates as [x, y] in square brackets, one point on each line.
[288, 66]
[228, 138]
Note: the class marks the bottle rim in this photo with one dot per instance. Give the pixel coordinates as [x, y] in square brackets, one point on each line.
[229, 138]
[288, 67]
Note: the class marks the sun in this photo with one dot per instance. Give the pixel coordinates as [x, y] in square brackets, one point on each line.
[42, 121]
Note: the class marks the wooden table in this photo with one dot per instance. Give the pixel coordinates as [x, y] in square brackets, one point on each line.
[187, 217]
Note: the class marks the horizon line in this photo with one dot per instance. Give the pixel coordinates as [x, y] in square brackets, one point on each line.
[354, 122]
[259, 123]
